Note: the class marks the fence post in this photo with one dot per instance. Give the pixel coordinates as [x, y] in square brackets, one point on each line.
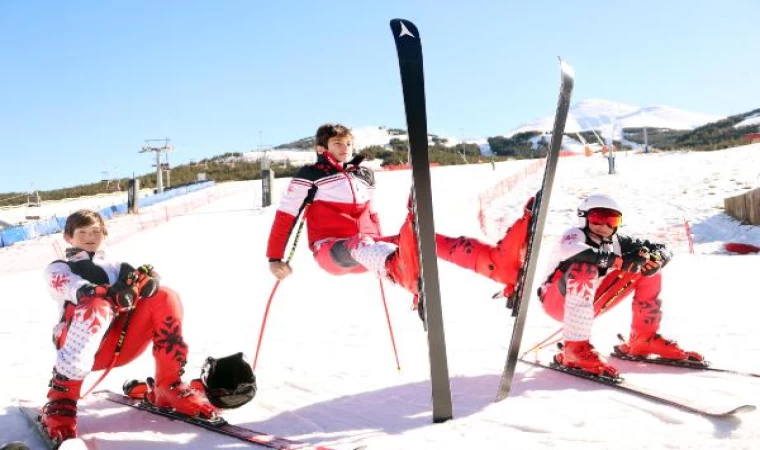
[132, 196]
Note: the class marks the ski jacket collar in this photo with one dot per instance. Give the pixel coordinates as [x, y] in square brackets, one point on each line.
[77, 254]
[328, 159]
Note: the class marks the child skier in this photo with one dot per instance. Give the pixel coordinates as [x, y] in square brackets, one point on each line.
[98, 298]
[336, 197]
[593, 269]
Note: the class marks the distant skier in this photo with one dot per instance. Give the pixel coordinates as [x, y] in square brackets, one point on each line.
[95, 295]
[336, 197]
[593, 269]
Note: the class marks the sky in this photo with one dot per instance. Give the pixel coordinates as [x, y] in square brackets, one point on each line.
[326, 371]
[87, 82]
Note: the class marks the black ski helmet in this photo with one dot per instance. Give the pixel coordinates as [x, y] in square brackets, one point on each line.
[229, 381]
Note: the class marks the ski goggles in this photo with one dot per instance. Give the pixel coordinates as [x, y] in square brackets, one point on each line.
[602, 216]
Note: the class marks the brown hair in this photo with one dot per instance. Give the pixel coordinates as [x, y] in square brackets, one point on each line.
[84, 218]
[331, 130]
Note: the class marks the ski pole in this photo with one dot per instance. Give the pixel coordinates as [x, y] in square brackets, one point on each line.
[388, 318]
[545, 343]
[274, 290]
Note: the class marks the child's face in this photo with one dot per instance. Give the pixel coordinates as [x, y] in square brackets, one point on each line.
[342, 148]
[602, 230]
[87, 238]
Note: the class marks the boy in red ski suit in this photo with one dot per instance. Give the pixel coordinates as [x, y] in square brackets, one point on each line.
[96, 295]
[344, 229]
[593, 269]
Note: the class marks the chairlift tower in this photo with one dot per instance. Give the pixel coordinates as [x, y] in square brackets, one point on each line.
[151, 146]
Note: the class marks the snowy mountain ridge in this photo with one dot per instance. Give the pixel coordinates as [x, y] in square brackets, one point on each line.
[591, 114]
[597, 114]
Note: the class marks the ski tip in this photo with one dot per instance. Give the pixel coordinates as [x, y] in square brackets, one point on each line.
[743, 409]
[566, 68]
[403, 27]
[15, 445]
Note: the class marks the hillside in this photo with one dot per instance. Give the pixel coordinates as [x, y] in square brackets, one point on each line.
[667, 128]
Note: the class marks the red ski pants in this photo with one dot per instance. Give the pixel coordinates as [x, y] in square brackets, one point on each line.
[613, 289]
[158, 318]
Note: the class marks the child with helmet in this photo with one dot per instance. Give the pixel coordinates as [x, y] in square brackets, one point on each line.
[593, 269]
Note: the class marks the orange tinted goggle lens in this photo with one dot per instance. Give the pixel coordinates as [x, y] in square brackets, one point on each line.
[612, 219]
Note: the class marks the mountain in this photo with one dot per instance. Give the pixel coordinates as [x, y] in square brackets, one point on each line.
[369, 136]
[602, 115]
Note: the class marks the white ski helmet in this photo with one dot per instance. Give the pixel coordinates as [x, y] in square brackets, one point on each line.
[594, 201]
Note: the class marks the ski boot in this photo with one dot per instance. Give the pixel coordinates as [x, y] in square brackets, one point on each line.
[58, 416]
[581, 355]
[653, 345]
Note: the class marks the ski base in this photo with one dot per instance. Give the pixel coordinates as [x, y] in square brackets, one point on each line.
[218, 425]
[32, 414]
[649, 394]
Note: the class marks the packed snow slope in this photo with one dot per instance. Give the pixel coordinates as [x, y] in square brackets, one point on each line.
[326, 372]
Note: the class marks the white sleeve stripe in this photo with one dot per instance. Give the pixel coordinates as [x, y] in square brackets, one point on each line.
[294, 197]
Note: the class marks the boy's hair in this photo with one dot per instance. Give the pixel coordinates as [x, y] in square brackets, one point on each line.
[84, 218]
[331, 130]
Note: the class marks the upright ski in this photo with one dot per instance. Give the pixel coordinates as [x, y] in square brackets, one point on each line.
[409, 49]
[519, 300]
[32, 414]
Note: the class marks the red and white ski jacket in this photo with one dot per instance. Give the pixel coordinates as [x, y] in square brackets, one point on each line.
[64, 278]
[576, 246]
[340, 204]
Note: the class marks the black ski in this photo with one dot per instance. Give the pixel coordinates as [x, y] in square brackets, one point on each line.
[32, 414]
[409, 49]
[218, 425]
[518, 301]
[647, 393]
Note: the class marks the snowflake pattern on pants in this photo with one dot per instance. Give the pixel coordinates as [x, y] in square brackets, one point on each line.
[88, 326]
[582, 281]
[168, 339]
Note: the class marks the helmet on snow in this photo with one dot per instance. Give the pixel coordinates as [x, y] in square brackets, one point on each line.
[229, 381]
[601, 202]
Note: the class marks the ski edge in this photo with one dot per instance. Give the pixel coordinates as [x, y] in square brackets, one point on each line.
[649, 394]
[684, 365]
[409, 53]
[534, 243]
[234, 431]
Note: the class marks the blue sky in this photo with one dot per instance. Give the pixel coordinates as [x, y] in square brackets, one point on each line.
[86, 82]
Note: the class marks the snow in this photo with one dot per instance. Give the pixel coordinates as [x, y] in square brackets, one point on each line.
[602, 114]
[750, 121]
[326, 372]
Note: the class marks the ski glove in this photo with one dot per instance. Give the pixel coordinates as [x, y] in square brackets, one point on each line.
[123, 293]
[147, 280]
[663, 253]
[118, 295]
[89, 291]
[657, 260]
[634, 259]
